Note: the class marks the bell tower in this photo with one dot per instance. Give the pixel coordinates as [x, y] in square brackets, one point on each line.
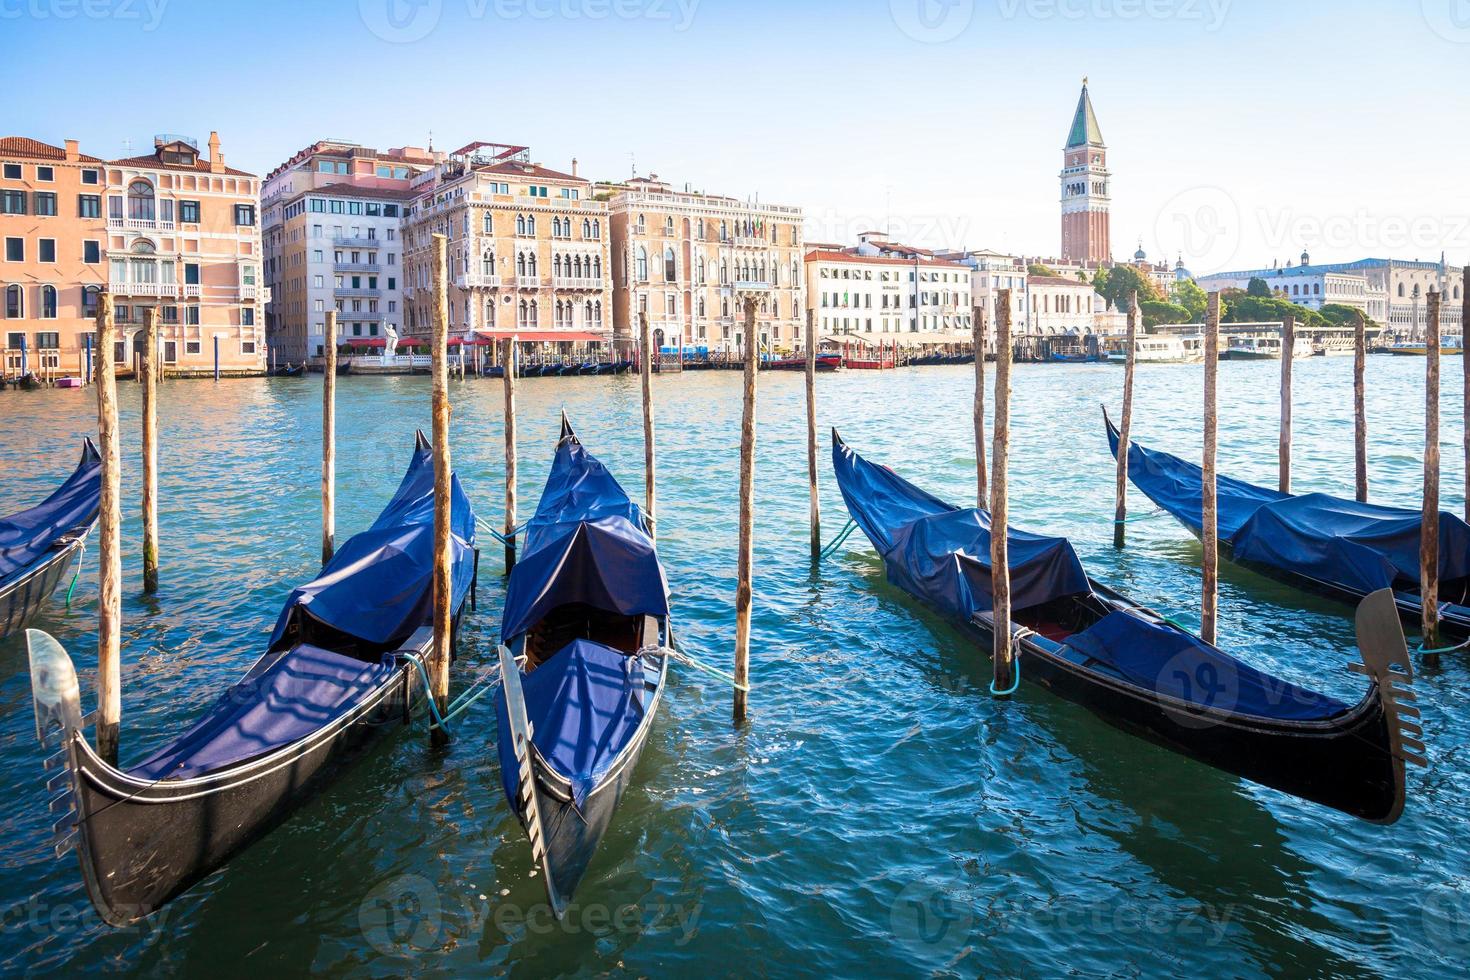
[1086, 188]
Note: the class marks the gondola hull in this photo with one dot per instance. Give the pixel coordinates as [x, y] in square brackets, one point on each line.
[143, 842]
[23, 598]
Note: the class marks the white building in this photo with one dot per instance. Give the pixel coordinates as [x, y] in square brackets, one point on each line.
[879, 288]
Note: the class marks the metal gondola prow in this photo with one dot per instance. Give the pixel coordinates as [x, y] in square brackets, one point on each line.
[58, 703]
[529, 803]
[1386, 660]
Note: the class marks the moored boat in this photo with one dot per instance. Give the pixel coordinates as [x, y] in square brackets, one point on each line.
[1158, 349]
[342, 667]
[1130, 666]
[38, 546]
[584, 661]
[1326, 545]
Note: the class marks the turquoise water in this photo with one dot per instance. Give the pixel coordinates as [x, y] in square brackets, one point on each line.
[880, 814]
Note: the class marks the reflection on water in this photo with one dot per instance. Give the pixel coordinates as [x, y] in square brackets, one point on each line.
[881, 813]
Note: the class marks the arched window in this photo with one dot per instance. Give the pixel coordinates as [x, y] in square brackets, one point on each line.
[488, 224]
[489, 311]
[724, 275]
[1401, 290]
[670, 272]
[597, 267]
[701, 306]
[487, 263]
[556, 264]
[587, 313]
[642, 270]
[597, 310]
[520, 263]
[140, 200]
[90, 296]
[520, 224]
[669, 226]
[531, 265]
[15, 302]
[48, 302]
[586, 228]
[597, 229]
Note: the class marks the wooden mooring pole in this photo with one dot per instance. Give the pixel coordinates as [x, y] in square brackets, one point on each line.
[1209, 531]
[814, 506]
[329, 439]
[1002, 650]
[508, 374]
[1429, 521]
[1360, 408]
[1283, 446]
[1125, 426]
[148, 374]
[109, 545]
[977, 336]
[645, 372]
[744, 560]
[443, 577]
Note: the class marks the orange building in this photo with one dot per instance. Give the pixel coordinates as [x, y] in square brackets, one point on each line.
[172, 229]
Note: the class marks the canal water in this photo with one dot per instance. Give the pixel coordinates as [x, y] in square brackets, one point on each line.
[880, 814]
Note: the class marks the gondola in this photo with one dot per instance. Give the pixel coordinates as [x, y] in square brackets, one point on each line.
[291, 371]
[584, 660]
[1133, 668]
[1326, 545]
[342, 667]
[40, 545]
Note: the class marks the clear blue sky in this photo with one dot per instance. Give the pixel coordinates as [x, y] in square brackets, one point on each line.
[1238, 130]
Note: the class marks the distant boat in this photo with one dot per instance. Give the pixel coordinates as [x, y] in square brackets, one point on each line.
[38, 546]
[825, 362]
[1157, 349]
[1447, 346]
[1261, 349]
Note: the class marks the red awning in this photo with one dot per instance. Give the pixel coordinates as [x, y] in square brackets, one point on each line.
[537, 336]
[364, 342]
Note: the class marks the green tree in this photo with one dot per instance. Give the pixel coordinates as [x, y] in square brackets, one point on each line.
[1120, 284]
[1239, 306]
[1037, 269]
[1188, 294]
[1258, 287]
[1156, 312]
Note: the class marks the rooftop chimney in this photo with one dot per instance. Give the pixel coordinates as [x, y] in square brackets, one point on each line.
[216, 158]
[72, 151]
[574, 166]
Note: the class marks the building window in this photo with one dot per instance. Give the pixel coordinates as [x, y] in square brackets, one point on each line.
[670, 272]
[91, 177]
[15, 250]
[46, 204]
[46, 249]
[642, 270]
[191, 346]
[15, 303]
[247, 316]
[13, 202]
[140, 200]
[89, 300]
[48, 340]
[244, 214]
[89, 206]
[48, 307]
[12, 171]
[189, 212]
[47, 174]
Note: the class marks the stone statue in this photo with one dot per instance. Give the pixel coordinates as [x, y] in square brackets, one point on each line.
[391, 347]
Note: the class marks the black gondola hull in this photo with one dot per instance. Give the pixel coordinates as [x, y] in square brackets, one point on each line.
[23, 598]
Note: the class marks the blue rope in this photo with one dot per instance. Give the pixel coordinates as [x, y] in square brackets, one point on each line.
[497, 535]
[1421, 648]
[428, 689]
[838, 541]
[1016, 663]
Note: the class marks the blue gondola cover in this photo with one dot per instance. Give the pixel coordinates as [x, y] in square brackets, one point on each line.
[586, 543]
[941, 553]
[29, 535]
[585, 705]
[379, 586]
[1364, 547]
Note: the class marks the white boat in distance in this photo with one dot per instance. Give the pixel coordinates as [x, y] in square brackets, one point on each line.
[1153, 349]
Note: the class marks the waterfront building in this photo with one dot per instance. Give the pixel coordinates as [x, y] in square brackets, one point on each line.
[332, 228]
[528, 248]
[1060, 306]
[1391, 292]
[1086, 199]
[882, 291]
[172, 229]
[688, 258]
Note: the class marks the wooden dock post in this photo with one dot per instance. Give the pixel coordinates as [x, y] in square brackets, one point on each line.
[1429, 521]
[109, 545]
[508, 376]
[1360, 408]
[744, 560]
[977, 334]
[1002, 649]
[148, 374]
[1209, 531]
[443, 576]
[814, 506]
[1125, 426]
[1283, 447]
[329, 439]
[645, 372]
[216, 357]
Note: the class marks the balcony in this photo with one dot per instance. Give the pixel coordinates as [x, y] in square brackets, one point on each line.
[348, 292]
[751, 241]
[348, 316]
[752, 286]
[372, 268]
[576, 282]
[138, 224]
[477, 280]
[346, 242]
[192, 290]
[250, 291]
[523, 282]
[166, 290]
